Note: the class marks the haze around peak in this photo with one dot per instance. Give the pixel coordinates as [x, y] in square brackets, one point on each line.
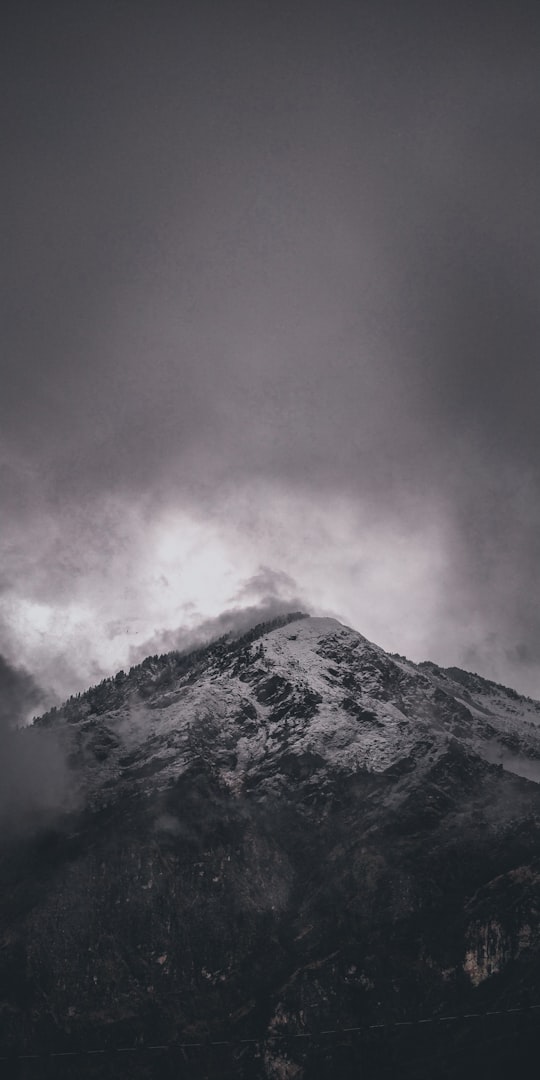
[271, 327]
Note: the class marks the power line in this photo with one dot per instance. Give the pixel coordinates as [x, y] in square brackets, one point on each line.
[267, 1038]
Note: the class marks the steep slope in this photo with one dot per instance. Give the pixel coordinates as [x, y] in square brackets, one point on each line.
[279, 836]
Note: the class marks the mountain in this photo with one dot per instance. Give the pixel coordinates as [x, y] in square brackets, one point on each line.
[281, 857]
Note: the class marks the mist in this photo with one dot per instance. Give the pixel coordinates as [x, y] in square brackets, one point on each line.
[34, 777]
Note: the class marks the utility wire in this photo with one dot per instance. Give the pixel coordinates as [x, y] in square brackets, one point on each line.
[267, 1038]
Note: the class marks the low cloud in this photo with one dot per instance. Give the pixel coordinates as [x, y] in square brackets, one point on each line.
[34, 778]
[268, 585]
[233, 622]
[19, 694]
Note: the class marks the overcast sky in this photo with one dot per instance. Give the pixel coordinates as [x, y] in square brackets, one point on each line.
[270, 326]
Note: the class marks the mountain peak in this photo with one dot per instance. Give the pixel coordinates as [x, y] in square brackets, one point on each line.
[299, 689]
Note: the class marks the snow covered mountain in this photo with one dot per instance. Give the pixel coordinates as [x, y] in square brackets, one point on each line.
[305, 700]
[272, 837]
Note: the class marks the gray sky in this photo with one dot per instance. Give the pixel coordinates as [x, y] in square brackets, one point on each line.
[270, 326]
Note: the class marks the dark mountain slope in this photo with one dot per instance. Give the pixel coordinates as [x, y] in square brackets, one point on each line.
[274, 838]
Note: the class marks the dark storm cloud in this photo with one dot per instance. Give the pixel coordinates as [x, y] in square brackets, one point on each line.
[272, 243]
[33, 770]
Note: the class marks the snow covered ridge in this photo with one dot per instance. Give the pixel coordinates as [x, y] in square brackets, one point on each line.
[157, 670]
[298, 701]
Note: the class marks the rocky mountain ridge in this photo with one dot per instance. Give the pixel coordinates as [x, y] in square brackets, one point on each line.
[284, 834]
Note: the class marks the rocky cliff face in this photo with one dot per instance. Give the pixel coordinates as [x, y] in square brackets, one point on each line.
[273, 838]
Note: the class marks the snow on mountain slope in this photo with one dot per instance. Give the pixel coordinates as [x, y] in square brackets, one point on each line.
[300, 701]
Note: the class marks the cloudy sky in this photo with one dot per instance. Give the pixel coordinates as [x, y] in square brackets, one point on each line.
[270, 326]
